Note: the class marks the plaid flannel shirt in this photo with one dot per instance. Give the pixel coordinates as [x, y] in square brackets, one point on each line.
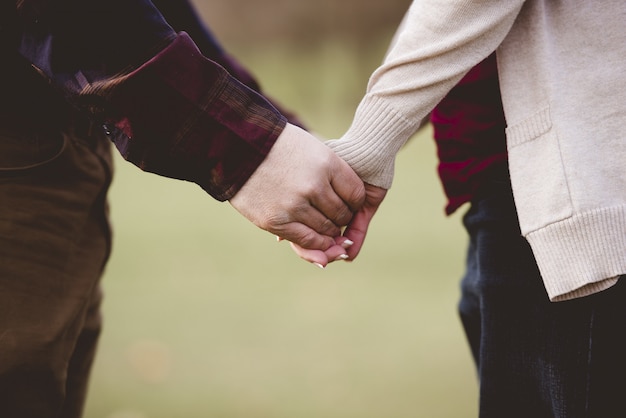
[469, 130]
[169, 108]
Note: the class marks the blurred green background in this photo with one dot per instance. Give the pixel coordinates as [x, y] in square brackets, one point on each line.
[207, 316]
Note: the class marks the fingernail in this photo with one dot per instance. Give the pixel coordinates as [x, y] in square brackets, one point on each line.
[342, 257]
[319, 265]
[347, 243]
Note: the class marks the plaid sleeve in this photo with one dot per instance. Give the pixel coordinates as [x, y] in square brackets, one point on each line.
[183, 116]
[183, 17]
[169, 109]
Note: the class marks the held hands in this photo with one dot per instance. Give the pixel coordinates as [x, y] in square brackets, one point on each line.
[302, 192]
[348, 245]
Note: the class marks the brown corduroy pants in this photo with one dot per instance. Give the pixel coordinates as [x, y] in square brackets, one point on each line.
[54, 242]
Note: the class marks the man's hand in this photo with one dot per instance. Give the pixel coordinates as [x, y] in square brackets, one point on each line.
[302, 192]
[347, 246]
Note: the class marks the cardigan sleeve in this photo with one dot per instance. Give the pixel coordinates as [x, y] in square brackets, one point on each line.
[437, 44]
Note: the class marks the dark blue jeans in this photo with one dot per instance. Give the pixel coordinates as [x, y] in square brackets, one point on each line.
[536, 358]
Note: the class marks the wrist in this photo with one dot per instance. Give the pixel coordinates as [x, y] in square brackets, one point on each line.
[371, 143]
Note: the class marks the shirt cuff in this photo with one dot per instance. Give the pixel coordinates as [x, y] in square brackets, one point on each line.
[183, 116]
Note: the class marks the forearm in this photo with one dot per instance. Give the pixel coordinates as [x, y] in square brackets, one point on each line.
[169, 109]
[182, 116]
[182, 16]
[438, 43]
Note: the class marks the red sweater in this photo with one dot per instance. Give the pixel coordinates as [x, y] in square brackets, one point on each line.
[469, 132]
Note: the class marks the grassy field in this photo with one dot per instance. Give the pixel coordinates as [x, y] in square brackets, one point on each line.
[207, 316]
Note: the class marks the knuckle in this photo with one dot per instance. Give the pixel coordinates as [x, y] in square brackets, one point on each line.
[328, 227]
[344, 215]
[271, 223]
[311, 189]
[307, 239]
[357, 195]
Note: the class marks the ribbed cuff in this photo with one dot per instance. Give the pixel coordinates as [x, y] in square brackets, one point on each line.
[372, 142]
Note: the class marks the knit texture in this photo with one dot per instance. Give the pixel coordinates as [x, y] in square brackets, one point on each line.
[561, 69]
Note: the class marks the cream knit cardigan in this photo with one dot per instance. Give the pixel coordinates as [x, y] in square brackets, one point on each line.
[562, 66]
